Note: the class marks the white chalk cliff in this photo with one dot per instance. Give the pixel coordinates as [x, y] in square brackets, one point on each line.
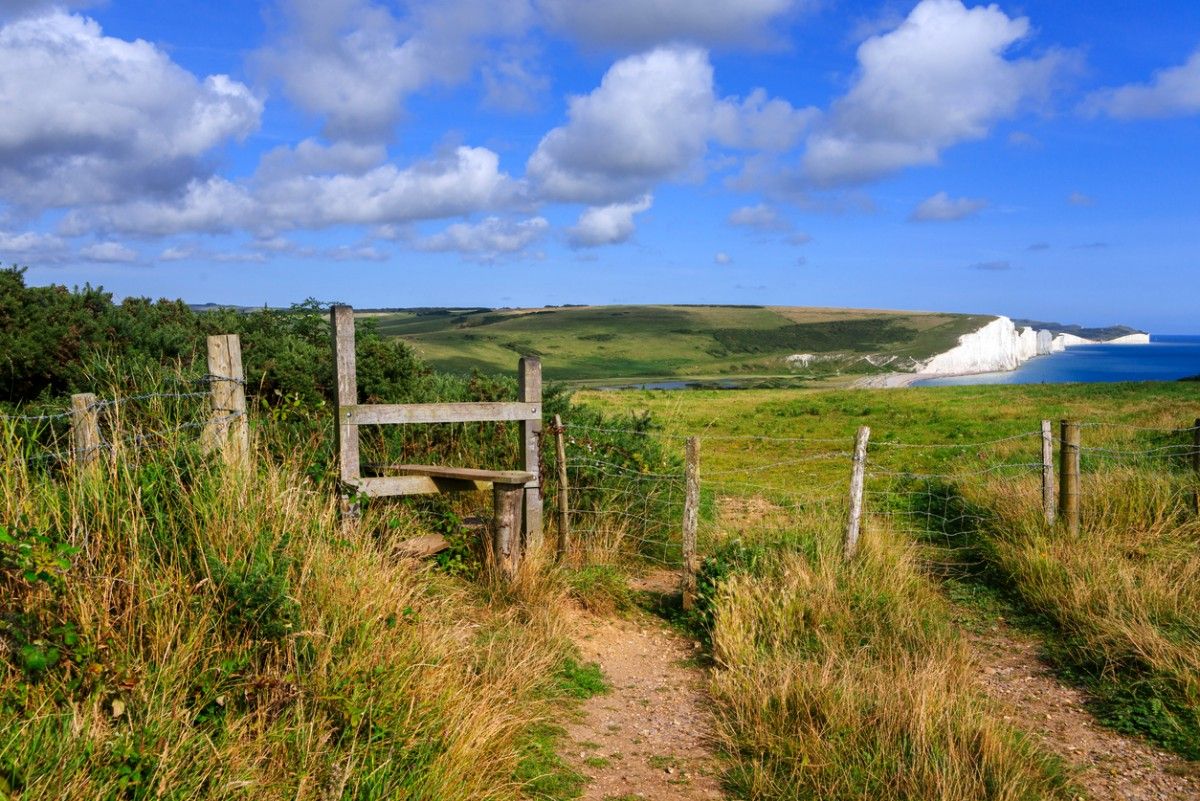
[999, 346]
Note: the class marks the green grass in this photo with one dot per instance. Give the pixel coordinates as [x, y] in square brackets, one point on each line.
[613, 343]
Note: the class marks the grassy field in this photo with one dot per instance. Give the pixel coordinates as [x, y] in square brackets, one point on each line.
[621, 343]
[1116, 606]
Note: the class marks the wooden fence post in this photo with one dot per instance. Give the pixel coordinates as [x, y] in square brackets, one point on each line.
[228, 427]
[691, 513]
[341, 318]
[529, 386]
[506, 528]
[1048, 471]
[1068, 493]
[85, 429]
[564, 521]
[857, 480]
[1196, 463]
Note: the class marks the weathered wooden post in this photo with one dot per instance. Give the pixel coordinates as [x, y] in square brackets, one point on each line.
[1048, 471]
[228, 427]
[345, 431]
[506, 527]
[691, 513]
[564, 520]
[1068, 493]
[1196, 464]
[857, 480]
[85, 429]
[529, 387]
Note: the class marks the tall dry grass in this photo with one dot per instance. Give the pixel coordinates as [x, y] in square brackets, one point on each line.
[849, 681]
[1123, 596]
[171, 628]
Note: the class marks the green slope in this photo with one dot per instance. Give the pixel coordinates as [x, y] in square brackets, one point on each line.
[612, 343]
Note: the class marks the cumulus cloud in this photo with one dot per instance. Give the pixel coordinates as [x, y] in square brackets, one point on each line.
[943, 208]
[606, 225]
[512, 82]
[91, 118]
[454, 183]
[354, 62]
[940, 78]
[30, 246]
[1170, 93]
[640, 23]
[110, 252]
[487, 239]
[651, 118]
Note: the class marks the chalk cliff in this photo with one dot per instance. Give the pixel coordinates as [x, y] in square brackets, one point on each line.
[1000, 346]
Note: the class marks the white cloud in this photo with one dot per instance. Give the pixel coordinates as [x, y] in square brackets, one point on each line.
[1080, 199]
[178, 253]
[648, 120]
[512, 82]
[761, 217]
[722, 258]
[641, 23]
[606, 225]
[1172, 92]
[354, 62]
[460, 181]
[939, 79]
[90, 118]
[487, 239]
[31, 246]
[111, 252]
[942, 208]
[651, 119]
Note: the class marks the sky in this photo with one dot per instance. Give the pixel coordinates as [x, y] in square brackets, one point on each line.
[1036, 159]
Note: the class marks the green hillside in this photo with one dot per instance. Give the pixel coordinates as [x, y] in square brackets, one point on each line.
[617, 343]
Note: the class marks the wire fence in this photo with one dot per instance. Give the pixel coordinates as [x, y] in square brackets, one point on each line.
[942, 494]
[141, 421]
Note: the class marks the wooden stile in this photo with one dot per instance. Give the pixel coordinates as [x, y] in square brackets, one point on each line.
[1068, 495]
[345, 367]
[691, 512]
[858, 475]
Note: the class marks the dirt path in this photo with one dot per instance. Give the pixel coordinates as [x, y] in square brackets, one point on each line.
[1111, 765]
[648, 737]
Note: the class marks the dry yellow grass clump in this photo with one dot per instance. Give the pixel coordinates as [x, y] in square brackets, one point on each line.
[1123, 594]
[171, 628]
[848, 681]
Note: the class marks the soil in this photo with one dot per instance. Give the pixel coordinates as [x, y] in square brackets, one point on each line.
[1109, 765]
[649, 736]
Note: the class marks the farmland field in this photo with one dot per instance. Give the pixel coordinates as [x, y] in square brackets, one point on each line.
[608, 344]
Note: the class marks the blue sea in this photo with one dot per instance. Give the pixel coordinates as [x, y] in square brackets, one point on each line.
[1166, 358]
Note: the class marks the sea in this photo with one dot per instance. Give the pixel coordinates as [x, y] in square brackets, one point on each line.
[1166, 358]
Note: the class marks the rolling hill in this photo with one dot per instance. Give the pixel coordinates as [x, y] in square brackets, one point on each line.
[614, 344]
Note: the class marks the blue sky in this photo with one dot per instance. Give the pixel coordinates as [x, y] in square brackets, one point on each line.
[1034, 159]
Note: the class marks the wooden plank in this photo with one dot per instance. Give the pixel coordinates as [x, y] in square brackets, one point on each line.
[564, 490]
[529, 389]
[857, 480]
[1068, 496]
[342, 320]
[691, 512]
[1048, 471]
[85, 429]
[382, 414]
[385, 486]
[466, 473]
